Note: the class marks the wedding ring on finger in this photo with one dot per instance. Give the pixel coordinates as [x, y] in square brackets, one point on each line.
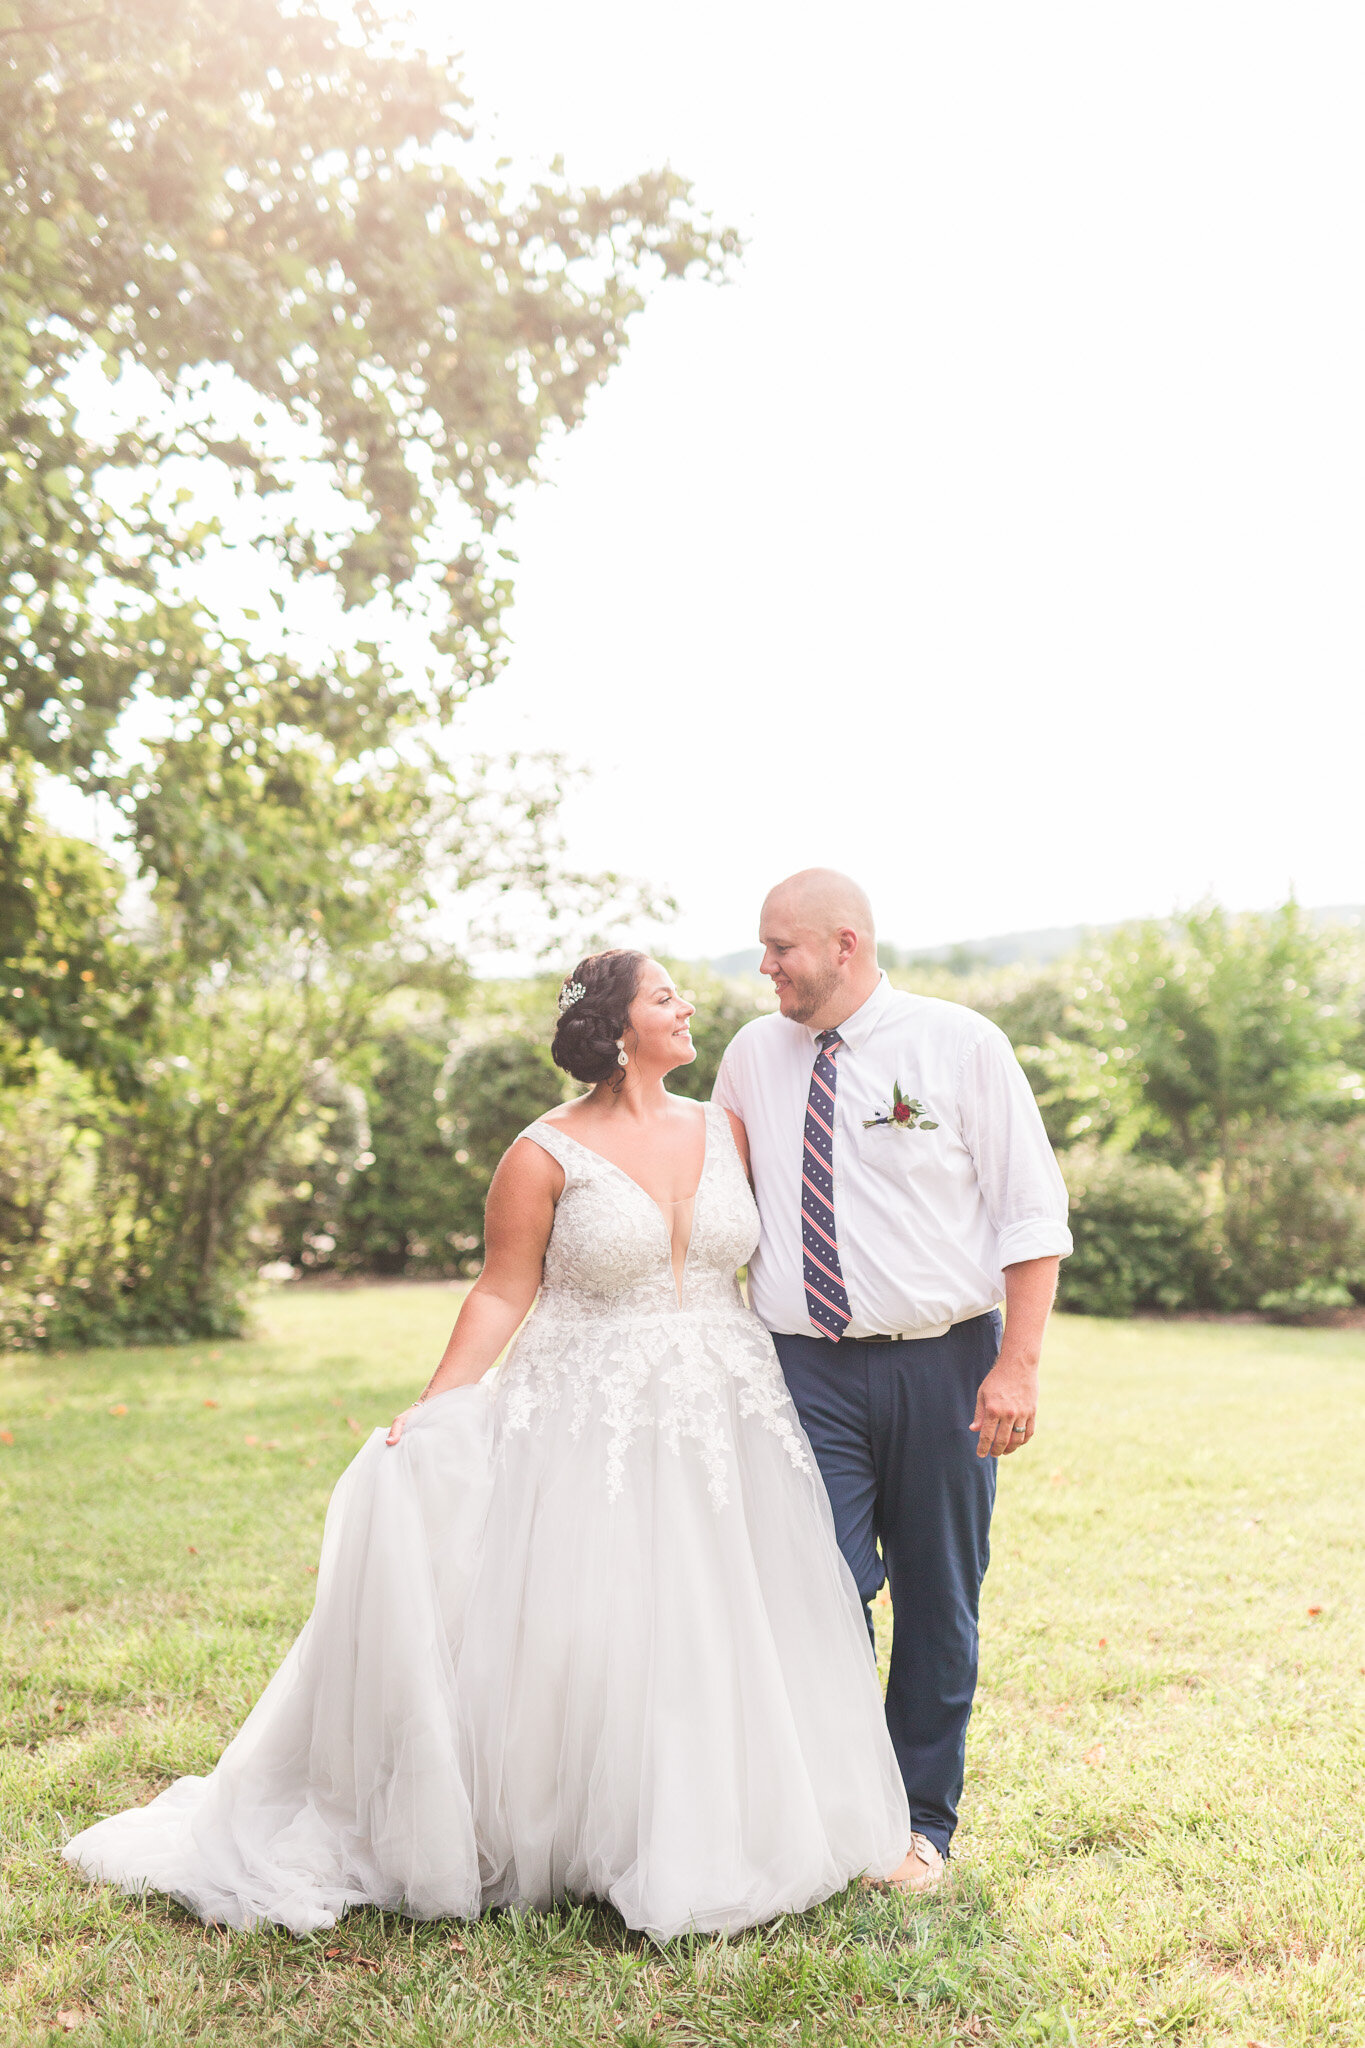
[1020, 1429]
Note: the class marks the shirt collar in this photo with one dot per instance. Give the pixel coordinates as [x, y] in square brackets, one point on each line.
[855, 1030]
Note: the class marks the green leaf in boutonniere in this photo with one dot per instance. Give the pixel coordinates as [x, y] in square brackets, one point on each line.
[905, 1114]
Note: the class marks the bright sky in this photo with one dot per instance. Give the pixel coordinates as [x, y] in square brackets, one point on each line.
[997, 535]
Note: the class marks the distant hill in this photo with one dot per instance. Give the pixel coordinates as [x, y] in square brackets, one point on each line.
[1007, 948]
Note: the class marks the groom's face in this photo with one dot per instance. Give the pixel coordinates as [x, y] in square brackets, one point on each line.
[803, 966]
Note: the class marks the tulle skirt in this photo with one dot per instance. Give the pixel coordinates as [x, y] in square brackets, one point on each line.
[521, 1682]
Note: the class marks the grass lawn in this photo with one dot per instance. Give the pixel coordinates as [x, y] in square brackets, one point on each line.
[1162, 1834]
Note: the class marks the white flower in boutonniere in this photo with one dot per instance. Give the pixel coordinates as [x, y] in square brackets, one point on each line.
[905, 1114]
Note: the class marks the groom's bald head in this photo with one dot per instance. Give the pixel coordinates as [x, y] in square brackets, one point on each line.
[819, 946]
[822, 901]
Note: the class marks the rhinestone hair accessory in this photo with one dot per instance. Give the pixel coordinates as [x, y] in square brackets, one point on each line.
[571, 993]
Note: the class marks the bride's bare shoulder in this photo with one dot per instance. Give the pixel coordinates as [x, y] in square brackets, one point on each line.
[527, 1167]
[564, 1114]
[694, 1111]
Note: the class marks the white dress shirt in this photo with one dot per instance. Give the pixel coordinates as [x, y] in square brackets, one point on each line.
[926, 1220]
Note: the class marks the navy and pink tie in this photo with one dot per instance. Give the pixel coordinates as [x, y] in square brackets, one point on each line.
[826, 1298]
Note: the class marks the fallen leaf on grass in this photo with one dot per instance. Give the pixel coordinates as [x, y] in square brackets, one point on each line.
[272, 1443]
[210, 1404]
[119, 1408]
[70, 2017]
[6, 1436]
[251, 1440]
[972, 2025]
[1094, 1755]
[858, 2001]
[455, 1941]
[1315, 1610]
[193, 1552]
[1104, 1642]
[353, 1425]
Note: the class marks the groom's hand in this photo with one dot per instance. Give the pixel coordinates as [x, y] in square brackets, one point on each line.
[1006, 1405]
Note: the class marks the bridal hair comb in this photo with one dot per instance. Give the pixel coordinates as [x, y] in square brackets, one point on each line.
[571, 993]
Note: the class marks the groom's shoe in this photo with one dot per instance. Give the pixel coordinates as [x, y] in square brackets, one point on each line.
[923, 1869]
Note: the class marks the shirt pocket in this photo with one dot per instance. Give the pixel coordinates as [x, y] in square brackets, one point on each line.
[899, 1153]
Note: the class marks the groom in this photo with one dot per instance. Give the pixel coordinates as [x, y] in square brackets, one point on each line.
[905, 1186]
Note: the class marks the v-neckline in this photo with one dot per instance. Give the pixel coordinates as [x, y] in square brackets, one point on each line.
[679, 1278]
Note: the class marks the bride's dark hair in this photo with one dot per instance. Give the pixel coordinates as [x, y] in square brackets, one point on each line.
[585, 1037]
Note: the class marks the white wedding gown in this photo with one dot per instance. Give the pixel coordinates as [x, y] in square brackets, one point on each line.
[585, 1631]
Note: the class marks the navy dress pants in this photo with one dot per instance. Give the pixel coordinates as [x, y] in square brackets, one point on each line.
[912, 1503]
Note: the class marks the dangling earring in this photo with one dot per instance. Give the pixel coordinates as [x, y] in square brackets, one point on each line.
[621, 1059]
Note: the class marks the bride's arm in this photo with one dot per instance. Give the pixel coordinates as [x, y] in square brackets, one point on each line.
[518, 1218]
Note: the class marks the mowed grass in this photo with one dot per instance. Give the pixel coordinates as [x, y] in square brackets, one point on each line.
[1162, 1834]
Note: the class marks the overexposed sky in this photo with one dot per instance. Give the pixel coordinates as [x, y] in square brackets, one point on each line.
[997, 534]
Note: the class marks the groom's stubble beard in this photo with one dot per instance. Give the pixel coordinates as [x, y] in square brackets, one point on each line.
[812, 992]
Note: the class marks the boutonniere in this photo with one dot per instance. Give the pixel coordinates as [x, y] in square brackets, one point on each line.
[906, 1113]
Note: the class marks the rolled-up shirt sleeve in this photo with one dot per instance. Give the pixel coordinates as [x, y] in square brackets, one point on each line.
[1020, 1180]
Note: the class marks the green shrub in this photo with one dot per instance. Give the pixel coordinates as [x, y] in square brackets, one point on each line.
[324, 1170]
[1138, 1226]
[493, 1091]
[441, 1112]
[98, 1202]
[51, 1230]
[1310, 1298]
[1293, 1215]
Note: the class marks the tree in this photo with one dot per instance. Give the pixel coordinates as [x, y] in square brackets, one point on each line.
[1216, 1024]
[73, 981]
[249, 187]
[248, 192]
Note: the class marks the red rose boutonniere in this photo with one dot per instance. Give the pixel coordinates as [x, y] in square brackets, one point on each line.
[906, 1113]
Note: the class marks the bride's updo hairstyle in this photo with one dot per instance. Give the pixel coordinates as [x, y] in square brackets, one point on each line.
[589, 1026]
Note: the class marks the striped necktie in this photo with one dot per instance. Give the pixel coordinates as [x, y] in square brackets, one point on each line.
[826, 1299]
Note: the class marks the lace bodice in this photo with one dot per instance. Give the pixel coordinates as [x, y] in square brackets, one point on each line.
[615, 1334]
[610, 1249]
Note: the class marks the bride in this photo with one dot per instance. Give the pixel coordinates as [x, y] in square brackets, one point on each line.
[583, 1627]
